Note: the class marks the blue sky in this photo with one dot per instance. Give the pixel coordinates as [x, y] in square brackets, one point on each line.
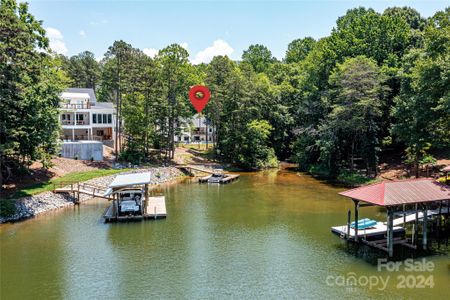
[205, 28]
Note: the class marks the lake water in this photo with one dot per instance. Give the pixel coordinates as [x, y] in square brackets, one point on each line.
[265, 236]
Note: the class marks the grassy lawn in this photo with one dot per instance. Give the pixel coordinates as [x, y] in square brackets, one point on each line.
[76, 176]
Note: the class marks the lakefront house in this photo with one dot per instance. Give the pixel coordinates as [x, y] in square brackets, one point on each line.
[84, 119]
[86, 125]
[195, 130]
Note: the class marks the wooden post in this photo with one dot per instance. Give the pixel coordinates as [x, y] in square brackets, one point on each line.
[146, 196]
[416, 223]
[404, 216]
[424, 228]
[356, 218]
[439, 225]
[349, 220]
[78, 194]
[390, 232]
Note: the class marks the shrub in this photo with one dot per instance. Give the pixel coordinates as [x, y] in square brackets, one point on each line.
[7, 207]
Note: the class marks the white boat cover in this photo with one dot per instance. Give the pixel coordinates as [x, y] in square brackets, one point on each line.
[125, 180]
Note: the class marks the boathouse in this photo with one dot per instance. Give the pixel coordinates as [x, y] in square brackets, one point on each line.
[412, 200]
[131, 200]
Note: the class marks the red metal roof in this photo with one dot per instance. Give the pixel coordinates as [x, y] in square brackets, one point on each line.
[389, 193]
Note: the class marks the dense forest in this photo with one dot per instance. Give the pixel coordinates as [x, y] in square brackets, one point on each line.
[378, 81]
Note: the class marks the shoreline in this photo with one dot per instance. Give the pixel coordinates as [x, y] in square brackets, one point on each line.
[32, 206]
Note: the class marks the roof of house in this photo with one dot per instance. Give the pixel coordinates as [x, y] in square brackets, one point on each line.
[69, 95]
[391, 193]
[101, 105]
[88, 91]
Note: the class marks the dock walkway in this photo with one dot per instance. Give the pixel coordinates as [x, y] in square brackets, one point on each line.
[189, 169]
[80, 188]
[379, 229]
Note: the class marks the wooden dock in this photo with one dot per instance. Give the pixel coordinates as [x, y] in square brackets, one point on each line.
[378, 230]
[155, 208]
[229, 178]
[190, 168]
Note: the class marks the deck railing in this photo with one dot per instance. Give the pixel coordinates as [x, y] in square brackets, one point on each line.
[85, 138]
[71, 122]
[75, 106]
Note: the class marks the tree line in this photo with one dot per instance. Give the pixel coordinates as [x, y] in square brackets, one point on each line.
[379, 81]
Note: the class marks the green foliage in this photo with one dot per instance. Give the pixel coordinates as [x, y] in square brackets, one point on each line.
[253, 152]
[31, 81]
[83, 70]
[353, 178]
[331, 105]
[7, 207]
[422, 109]
[259, 57]
[298, 49]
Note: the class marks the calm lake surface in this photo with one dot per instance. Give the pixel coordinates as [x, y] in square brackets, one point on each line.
[265, 236]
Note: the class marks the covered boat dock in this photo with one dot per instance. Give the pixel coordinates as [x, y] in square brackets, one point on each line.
[147, 208]
[413, 200]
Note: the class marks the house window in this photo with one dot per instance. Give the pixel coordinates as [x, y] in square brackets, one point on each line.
[210, 129]
[104, 119]
[100, 119]
[63, 117]
[94, 118]
[109, 119]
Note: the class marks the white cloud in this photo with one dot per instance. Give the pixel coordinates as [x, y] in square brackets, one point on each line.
[150, 52]
[56, 40]
[82, 33]
[219, 47]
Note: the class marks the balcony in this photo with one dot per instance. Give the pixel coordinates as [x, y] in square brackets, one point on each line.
[71, 122]
[86, 138]
[74, 106]
[199, 131]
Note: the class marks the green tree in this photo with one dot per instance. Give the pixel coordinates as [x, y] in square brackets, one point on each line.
[410, 15]
[83, 70]
[117, 78]
[353, 121]
[30, 85]
[176, 79]
[259, 57]
[422, 110]
[254, 152]
[298, 49]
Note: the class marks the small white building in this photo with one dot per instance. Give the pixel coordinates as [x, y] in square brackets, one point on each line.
[83, 118]
[195, 130]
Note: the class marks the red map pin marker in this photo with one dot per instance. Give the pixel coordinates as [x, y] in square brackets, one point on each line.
[199, 101]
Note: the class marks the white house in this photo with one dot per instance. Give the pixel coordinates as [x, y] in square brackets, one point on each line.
[83, 118]
[195, 130]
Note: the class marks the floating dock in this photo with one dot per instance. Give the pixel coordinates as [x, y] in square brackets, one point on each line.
[155, 208]
[229, 178]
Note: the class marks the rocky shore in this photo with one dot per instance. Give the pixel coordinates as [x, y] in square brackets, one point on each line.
[34, 205]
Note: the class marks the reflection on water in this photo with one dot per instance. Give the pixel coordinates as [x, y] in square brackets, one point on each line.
[266, 235]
